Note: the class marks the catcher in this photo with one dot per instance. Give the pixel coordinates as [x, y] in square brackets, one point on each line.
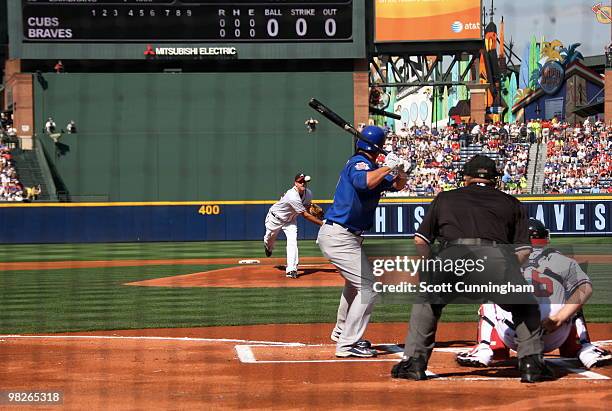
[562, 288]
[283, 215]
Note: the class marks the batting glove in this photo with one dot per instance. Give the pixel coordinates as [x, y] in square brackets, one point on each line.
[392, 161]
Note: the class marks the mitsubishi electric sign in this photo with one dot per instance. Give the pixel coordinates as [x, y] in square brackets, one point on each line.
[152, 52]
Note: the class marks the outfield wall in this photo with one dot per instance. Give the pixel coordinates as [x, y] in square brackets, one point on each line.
[186, 136]
[235, 220]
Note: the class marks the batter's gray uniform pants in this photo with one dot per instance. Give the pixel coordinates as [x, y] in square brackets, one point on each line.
[343, 249]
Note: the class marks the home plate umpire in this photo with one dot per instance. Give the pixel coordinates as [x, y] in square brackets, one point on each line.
[479, 220]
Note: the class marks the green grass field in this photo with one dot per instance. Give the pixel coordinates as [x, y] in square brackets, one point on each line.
[36, 301]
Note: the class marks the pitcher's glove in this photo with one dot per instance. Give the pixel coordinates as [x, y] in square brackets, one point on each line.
[316, 211]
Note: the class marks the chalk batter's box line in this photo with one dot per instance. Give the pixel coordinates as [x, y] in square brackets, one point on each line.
[247, 356]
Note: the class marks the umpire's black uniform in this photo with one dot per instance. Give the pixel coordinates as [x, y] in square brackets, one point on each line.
[473, 216]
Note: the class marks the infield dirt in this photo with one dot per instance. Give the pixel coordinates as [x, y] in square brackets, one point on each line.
[158, 373]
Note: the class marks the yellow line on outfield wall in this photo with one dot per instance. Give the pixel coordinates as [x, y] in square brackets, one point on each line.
[392, 200]
[566, 198]
[144, 203]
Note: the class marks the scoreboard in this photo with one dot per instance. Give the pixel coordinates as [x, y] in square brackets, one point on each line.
[187, 20]
[252, 28]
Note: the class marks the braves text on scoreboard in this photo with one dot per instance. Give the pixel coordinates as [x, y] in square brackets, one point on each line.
[187, 21]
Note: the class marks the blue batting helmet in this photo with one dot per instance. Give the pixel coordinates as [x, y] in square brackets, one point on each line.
[373, 133]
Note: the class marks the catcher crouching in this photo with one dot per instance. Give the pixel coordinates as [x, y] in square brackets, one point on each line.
[283, 215]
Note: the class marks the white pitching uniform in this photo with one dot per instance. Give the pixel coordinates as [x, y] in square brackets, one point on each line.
[555, 277]
[282, 216]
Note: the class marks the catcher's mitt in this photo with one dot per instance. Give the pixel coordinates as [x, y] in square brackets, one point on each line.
[316, 211]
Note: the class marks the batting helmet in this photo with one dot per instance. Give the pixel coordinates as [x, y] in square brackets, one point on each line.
[538, 232]
[373, 133]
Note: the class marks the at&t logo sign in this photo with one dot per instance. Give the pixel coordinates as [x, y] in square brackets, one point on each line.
[457, 27]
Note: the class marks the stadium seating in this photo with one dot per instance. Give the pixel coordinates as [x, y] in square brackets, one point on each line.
[440, 156]
[579, 160]
[11, 188]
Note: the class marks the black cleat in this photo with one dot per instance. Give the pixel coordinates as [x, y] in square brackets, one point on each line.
[267, 251]
[410, 369]
[292, 274]
[363, 344]
[533, 369]
[356, 351]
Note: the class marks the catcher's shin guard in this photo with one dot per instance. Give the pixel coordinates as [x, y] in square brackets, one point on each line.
[487, 333]
[500, 351]
[578, 336]
[571, 346]
[581, 328]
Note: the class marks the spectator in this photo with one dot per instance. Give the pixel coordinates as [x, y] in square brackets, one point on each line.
[59, 67]
[438, 160]
[10, 186]
[579, 159]
[50, 126]
[32, 193]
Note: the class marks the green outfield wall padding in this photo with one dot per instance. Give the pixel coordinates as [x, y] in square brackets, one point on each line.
[192, 136]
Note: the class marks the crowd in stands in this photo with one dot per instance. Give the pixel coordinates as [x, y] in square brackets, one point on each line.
[11, 188]
[437, 155]
[579, 159]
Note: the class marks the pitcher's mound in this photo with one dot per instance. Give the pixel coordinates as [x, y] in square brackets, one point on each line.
[253, 276]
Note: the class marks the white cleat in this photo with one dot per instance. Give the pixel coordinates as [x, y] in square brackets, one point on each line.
[479, 356]
[593, 356]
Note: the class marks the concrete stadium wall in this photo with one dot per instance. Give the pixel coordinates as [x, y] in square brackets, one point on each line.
[196, 221]
[191, 136]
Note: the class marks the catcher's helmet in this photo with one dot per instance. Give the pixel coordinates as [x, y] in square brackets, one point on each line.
[373, 133]
[538, 233]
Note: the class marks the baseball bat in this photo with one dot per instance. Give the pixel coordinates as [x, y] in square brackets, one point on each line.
[374, 110]
[340, 122]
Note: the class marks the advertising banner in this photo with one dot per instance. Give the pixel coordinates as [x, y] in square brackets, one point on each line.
[560, 217]
[427, 20]
[221, 221]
